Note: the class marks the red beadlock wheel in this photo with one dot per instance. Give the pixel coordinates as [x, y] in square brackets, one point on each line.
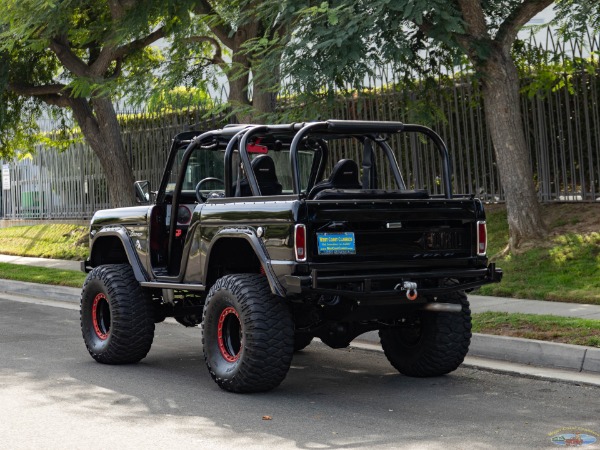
[229, 334]
[247, 334]
[101, 316]
[117, 315]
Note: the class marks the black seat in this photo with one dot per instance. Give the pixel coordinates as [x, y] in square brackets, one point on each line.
[263, 167]
[343, 176]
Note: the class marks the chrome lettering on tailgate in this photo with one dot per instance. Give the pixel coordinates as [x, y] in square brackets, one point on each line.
[442, 240]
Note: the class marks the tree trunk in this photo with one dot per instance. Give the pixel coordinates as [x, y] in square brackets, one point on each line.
[101, 130]
[239, 73]
[238, 90]
[503, 119]
[266, 80]
[263, 98]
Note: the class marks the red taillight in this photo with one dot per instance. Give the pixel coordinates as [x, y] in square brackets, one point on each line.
[481, 239]
[300, 242]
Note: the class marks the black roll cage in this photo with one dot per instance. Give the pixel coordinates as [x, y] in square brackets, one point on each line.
[241, 135]
[372, 131]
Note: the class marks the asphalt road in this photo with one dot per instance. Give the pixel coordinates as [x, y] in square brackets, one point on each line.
[54, 396]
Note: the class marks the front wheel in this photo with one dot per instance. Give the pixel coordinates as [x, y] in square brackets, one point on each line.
[431, 343]
[117, 315]
[247, 334]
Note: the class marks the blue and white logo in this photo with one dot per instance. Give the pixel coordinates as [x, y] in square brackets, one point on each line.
[573, 439]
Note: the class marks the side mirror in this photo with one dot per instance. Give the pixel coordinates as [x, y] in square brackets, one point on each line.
[142, 191]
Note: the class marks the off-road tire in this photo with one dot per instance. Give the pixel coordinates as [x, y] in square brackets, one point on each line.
[436, 344]
[301, 341]
[117, 315]
[247, 334]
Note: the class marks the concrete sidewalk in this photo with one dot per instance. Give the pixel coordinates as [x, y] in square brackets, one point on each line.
[41, 262]
[500, 348]
[479, 303]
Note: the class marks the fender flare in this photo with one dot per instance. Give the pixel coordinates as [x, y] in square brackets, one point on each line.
[121, 233]
[248, 234]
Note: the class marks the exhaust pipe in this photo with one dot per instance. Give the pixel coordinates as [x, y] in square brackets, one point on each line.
[442, 307]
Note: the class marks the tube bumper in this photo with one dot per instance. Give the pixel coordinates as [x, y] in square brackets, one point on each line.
[366, 285]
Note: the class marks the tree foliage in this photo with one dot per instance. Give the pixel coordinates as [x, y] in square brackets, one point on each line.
[78, 57]
[57, 50]
[227, 39]
[336, 43]
[577, 17]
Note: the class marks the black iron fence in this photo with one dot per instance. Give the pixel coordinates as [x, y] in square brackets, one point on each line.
[54, 184]
[561, 115]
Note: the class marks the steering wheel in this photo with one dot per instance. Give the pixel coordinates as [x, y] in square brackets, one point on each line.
[201, 198]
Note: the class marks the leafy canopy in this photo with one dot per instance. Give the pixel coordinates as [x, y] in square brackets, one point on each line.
[52, 52]
[338, 42]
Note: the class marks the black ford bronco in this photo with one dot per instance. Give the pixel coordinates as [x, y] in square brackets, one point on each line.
[272, 235]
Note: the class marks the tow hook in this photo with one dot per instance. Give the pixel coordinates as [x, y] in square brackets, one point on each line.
[410, 288]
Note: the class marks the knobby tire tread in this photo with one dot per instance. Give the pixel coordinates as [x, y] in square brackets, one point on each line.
[268, 334]
[442, 350]
[132, 315]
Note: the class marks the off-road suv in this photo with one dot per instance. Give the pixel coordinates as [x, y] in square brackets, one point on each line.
[270, 236]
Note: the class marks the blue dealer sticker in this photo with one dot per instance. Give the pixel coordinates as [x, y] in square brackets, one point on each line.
[336, 243]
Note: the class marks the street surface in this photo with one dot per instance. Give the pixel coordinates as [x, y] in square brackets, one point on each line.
[54, 396]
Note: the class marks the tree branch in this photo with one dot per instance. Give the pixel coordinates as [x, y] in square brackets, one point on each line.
[118, 8]
[108, 54]
[218, 56]
[474, 18]
[52, 94]
[117, 70]
[463, 40]
[522, 14]
[60, 46]
[133, 46]
[35, 91]
[203, 8]
[55, 100]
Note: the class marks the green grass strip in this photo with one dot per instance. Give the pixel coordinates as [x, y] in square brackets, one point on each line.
[565, 269]
[568, 330]
[54, 240]
[43, 275]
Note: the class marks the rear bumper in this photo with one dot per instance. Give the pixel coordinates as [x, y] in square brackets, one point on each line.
[428, 283]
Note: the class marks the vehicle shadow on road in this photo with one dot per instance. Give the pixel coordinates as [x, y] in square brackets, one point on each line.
[331, 399]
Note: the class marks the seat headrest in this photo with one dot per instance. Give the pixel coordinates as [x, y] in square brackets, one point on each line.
[263, 167]
[345, 174]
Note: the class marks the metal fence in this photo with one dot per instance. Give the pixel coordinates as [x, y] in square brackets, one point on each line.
[69, 184]
[561, 118]
[562, 123]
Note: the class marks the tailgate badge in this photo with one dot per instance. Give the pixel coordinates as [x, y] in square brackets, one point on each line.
[394, 225]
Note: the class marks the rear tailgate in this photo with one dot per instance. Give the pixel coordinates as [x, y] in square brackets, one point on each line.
[394, 231]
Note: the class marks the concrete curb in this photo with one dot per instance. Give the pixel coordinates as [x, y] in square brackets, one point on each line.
[524, 351]
[41, 291]
[41, 262]
[574, 358]
[536, 353]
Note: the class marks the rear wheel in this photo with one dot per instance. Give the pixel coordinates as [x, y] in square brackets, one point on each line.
[117, 315]
[431, 343]
[247, 334]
